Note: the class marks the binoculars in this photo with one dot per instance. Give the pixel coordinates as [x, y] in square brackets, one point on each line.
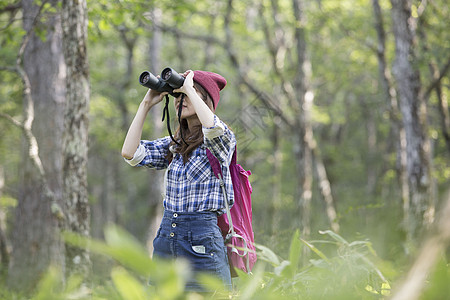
[167, 82]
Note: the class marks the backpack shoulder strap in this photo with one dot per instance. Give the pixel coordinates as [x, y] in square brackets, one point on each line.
[215, 165]
[214, 162]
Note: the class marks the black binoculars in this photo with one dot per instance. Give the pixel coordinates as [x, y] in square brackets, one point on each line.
[167, 82]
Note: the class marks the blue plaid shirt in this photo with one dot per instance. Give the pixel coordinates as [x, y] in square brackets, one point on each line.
[192, 186]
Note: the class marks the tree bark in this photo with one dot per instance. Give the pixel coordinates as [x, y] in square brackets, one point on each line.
[36, 242]
[277, 49]
[304, 154]
[413, 110]
[155, 177]
[75, 150]
[445, 115]
[305, 100]
[397, 129]
[4, 254]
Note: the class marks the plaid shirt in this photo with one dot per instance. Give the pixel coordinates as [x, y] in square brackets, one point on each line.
[192, 186]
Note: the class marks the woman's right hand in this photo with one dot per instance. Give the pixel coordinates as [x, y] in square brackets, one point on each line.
[134, 133]
[152, 98]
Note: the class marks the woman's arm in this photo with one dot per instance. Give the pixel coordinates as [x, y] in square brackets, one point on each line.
[133, 137]
[204, 113]
[220, 140]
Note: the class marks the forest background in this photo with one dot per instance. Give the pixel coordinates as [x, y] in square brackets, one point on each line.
[340, 110]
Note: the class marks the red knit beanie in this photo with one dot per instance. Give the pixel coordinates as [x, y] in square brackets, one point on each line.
[212, 83]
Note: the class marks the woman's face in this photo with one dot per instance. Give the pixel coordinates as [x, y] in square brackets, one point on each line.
[187, 110]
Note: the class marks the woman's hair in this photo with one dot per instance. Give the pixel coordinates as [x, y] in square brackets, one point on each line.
[193, 137]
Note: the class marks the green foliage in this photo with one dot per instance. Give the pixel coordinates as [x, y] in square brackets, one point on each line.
[135, 267]
[51, 286]
[350, 272]
[437, 286]
[336, 269]
[348, 96]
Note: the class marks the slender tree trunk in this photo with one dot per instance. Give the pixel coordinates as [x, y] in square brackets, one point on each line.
[413, 110]
[430, 213]
[371, 131]
[276, 44]
[398, 131]
[325, 189]
[129, 43]
[4, 255]
[305, 101]
[155, 177]
[445, 115]
[209, 49]
[303, 151]
[35, 236]
[74, 23]
[436, 85]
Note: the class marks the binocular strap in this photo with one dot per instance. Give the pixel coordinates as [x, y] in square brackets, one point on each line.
[167, 117]
[180, 107]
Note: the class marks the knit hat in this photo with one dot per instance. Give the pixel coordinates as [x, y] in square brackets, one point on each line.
[212, 83]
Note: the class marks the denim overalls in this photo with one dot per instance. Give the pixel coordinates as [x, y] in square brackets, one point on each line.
[196, 237]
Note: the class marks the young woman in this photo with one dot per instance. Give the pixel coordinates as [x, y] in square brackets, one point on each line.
[193, 197]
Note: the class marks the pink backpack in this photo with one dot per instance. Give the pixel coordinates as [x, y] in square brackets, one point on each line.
[236, 223]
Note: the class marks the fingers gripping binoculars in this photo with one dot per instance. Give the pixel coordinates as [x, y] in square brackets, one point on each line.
[167, 82]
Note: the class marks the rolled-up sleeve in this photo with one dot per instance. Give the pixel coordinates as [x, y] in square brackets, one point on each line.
[151, 154]
[220, 140]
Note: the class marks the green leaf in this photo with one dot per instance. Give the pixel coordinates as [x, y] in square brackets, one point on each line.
[120, 246]
[295, 252]
[317, 251]
[335, 236]
[278, 270]
[48, 285]
[253, 283]
[213, 283]
[128, 286]
[267, 255]
[170, 277]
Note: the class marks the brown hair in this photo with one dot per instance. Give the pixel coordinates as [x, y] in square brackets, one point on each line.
[193, 137]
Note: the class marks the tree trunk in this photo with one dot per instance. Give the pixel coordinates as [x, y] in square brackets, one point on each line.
[445, 115]
[302, 150]
[397, 129]
[325, 188]
[155, 177]
[35, 237]
[413, 110]
[305, 101]
[4, 255]
[371, 130]
[74, 23]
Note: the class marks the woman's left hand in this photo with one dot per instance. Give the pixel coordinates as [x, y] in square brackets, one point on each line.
[188, 85]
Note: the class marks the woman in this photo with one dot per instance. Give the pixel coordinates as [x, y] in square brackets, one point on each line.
[193, 197]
